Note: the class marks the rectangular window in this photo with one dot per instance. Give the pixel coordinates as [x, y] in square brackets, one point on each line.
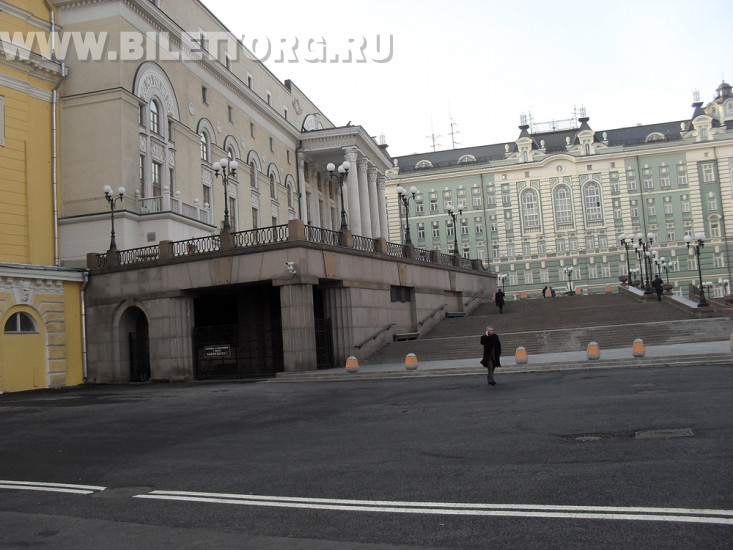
[461, 203]
[718, 260]
[528, 277]
[228, 62]
[685, 207]
[205, 95]
[255, 217]
[602, 241]
[668, 208]
[671, 235]
[605, 270]
[526, 249]
[477, 201]
[233, 213]
[590, 242]
[560, 245]
[230, 113]
[285, 113]
[712, 203]
[421, 231]
[634, 210]
[433, 204]
[157, 192]
[464, 226]
[490, 199]
[681, 176]
[449, 228]
[272, 145]
[651, 209]
[252, 129]
[573, 244]
[509, 225]
[631, 181]
[506, 198]
[141, 174]
[541, 247]
[708, 174]
[510, 250]
[495, 250]
[614, 182]
[664, 181]
[617, 215]
[436, 230]
[268, 95]
[250, 81]
[592, 271]
[648, 183]
[171, 182]
[419, 207]
[478, 226]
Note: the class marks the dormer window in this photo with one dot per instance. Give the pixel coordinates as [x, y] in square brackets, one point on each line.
[655, 136]
[423, 164]
[466, 158]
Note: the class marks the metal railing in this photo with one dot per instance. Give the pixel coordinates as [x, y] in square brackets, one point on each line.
[199, 245]
[139, 255]
[324, 236]
[398, 250]
[264, 235]
[380, 331]
[423, 255]
[446, 259]
[433, 314]
[364, 244]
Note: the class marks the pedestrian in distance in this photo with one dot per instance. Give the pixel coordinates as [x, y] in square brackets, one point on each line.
[544, 292]
[492, 353]
[499, 299]
[658, 286]
[552, 292]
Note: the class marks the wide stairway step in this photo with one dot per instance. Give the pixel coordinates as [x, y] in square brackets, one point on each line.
[561, 324]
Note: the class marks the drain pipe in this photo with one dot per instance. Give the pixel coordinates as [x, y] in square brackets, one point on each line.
[54, 138]
[83, 294]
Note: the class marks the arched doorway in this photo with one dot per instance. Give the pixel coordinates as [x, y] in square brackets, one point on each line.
[135, 344]
[23, 364]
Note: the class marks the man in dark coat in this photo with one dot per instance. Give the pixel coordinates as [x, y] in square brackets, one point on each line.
[492, 353]
[658, 286]
[499, 299]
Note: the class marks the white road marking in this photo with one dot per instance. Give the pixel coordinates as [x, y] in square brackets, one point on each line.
[680, 515]
[50, 487]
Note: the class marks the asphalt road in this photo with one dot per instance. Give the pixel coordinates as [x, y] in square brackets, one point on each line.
[584, 459]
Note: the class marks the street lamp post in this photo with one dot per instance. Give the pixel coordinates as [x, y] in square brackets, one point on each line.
[343, 171]
[569, 273]
[405, 198]
[501, 277]
[228, 169]
[663, 263]
[697, 245]
[112, 199]
[454, 217]
[625, 241]
[643, 249]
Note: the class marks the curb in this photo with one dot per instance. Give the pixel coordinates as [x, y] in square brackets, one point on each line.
[340, 375]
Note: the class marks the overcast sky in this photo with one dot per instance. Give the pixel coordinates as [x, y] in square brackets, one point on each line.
[483, 63]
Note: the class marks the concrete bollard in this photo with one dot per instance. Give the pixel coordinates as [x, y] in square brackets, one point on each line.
[352, 364]
[593, 351]
[411, 361]
[637, 349]
[520, 356]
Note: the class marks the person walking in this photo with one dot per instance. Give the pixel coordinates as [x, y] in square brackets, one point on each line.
[544, 292]
[552, 292]
[492, 353]
[658, 286]
[499, 300]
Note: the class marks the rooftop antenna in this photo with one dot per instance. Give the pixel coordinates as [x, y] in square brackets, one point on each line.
[432, 137]
[453, 131]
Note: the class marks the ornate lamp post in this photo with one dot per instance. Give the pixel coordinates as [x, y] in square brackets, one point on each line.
[644, 254]
[663, 263]
[454, 217]
[697, 245]
[501, 277]
[343, 171]
[112, 199]
[569, 273]
[228, 169]
[405, 198]
[626, 241]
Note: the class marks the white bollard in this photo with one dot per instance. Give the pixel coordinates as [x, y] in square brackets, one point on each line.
[352, 364]
[593, 351]
[411, 362]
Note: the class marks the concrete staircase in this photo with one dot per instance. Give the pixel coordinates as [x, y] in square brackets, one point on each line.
[565, 323]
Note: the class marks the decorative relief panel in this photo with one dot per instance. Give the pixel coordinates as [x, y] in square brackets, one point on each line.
[205, 176]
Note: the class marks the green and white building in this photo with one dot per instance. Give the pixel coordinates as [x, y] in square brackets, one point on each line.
[549, 201]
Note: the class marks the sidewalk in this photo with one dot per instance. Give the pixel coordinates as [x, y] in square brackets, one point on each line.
[655, 356]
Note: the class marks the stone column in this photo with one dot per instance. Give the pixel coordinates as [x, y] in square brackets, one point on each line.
[374, 202]
[298, 328]
[315, 208]
[364, 206]
[352, 196]
[338, 306]
[382, 201]
[301, 189]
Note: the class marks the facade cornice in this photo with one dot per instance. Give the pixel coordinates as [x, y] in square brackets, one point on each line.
[40, 272]
[29, 18]
[347, 136]
[25, 87]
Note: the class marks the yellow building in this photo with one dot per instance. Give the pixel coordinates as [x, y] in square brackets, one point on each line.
[41, 343]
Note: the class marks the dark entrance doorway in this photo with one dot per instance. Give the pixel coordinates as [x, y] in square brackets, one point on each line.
[238, 333]
[324, 338]
[134, 325]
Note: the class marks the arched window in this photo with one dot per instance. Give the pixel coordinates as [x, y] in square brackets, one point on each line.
[20, 323]
[592, 202]
[563, 206]
[154, 117]
[530, 212]
[289, 191]
[423, 164]
[466, 158]
[655, 136]
[273, 189]
[587, 149]
[253, 175]
[204, 147]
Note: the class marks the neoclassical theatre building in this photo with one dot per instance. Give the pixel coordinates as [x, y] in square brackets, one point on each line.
[156, 123]
[549, 207]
